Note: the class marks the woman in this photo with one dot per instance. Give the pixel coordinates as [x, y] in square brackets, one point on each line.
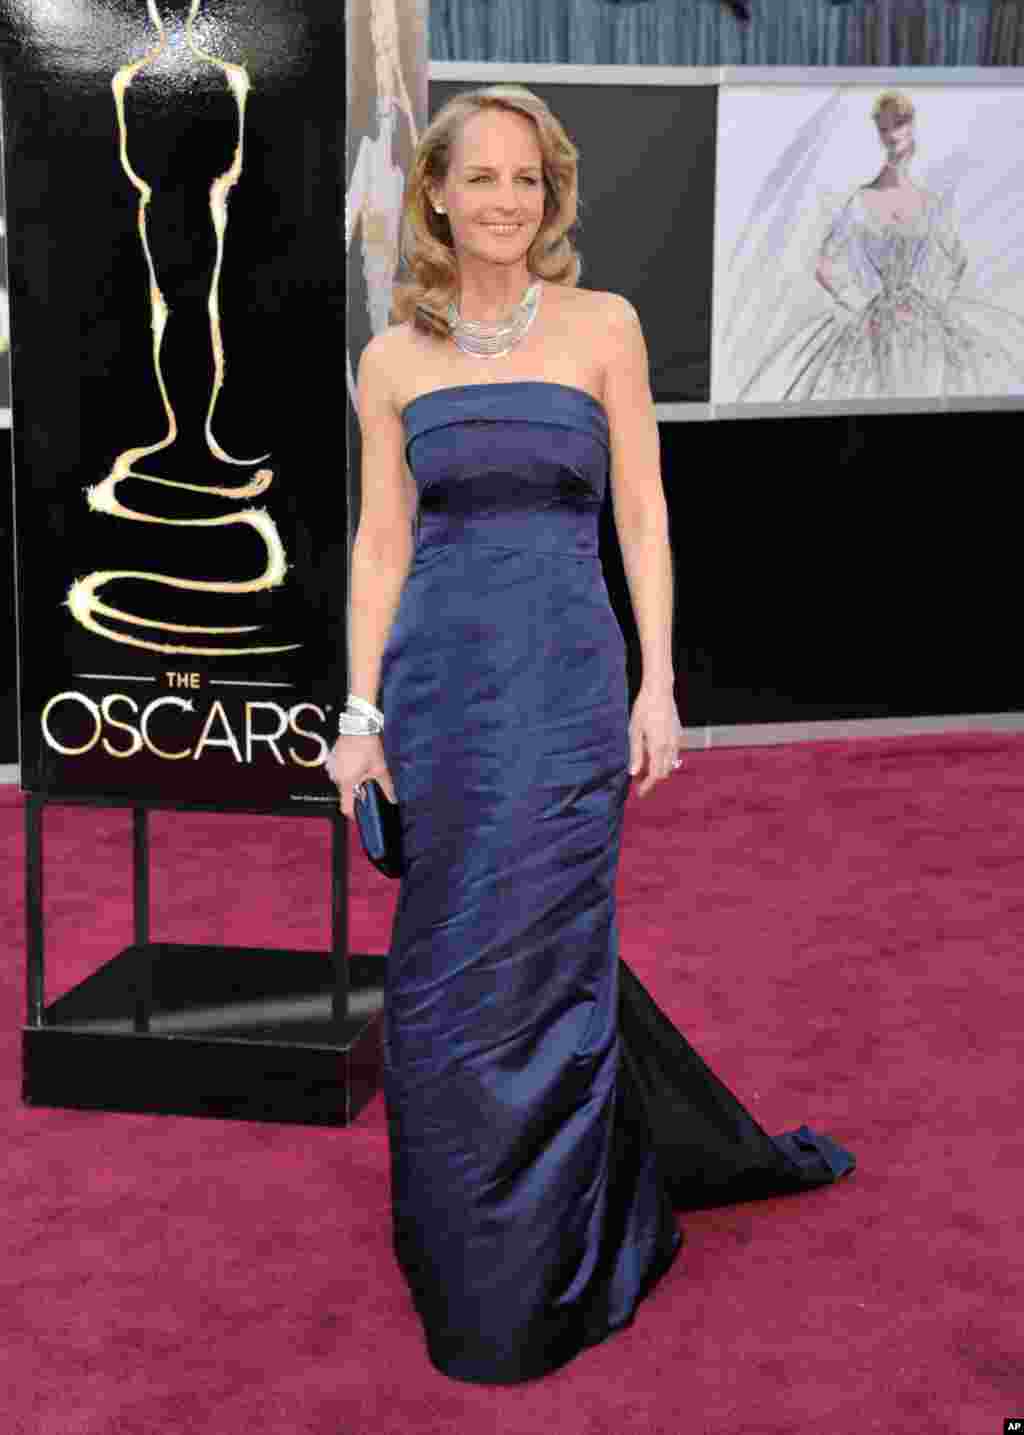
[892, 260]
[535, 1157]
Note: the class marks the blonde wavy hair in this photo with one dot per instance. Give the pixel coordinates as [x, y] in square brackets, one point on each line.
[426, 242]
[894, 99]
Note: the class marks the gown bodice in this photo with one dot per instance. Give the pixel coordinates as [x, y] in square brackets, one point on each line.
[891, 260]
[520, 464]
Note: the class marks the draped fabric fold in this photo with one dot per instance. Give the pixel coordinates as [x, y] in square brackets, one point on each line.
[711, 1151]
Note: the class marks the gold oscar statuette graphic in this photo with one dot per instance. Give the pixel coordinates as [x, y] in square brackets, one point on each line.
[83, 596]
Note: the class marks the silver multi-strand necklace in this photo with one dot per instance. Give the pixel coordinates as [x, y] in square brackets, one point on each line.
[490, 340]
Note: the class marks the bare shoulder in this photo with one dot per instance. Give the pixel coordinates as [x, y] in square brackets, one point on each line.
[382, 363]
[608, 304]
[598, 303]
[616, 336]
[602, 320]
[614, 320]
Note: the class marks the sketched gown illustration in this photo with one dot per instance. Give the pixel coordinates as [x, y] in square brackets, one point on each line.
[871, 292]
[901, 328]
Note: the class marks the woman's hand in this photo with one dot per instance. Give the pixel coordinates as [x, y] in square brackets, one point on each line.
[655, 736]
[355, 759]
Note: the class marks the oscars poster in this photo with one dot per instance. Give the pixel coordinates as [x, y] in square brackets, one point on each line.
[173, 182]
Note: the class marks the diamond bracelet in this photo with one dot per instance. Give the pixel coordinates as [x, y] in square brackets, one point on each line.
[360, 718]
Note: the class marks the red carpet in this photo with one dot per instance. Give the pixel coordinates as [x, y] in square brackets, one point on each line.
[835, 926]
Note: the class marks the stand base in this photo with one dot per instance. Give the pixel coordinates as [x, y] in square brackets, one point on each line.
[236, 1033]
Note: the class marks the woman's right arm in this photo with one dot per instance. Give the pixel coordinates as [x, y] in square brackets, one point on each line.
[383, 546]
[381, 555]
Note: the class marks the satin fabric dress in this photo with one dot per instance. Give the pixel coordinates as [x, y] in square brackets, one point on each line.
[544, 1116]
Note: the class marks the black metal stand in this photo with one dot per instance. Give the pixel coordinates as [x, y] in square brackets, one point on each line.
[243, 1033]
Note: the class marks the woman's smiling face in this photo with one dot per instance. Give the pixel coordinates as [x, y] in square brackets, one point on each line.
[494, 190]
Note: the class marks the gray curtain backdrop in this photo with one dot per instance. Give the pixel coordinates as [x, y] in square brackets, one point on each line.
[708, 32]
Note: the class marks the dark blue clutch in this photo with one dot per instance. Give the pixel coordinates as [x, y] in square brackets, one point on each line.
[380, 829]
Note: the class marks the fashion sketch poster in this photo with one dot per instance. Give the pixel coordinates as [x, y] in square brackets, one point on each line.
[869, 243]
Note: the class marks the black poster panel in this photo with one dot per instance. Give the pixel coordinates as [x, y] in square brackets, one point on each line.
[646, 212]
[5, 363]
[8, 719]
[174, 177]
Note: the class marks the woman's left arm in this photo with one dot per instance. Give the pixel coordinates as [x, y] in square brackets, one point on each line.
[641, 521]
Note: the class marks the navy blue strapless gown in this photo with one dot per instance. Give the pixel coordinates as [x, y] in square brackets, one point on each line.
[545, 1117]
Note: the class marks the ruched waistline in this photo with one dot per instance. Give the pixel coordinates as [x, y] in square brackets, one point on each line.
[554, 530]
